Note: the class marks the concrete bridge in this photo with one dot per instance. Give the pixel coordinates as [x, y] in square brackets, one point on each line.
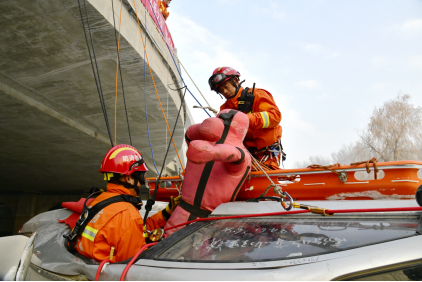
[52, 130]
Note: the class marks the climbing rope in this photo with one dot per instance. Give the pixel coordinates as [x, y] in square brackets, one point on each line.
[279, 191]
[291, 178]
[155, 87]
[209, 106]
[263, 166]
[314, 210]
[119, 70]
[373, 161]
[174, 61]
[327, 167]
[95, 69]
[151, 201]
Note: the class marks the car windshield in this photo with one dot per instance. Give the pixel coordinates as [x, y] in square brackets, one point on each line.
[257, 239]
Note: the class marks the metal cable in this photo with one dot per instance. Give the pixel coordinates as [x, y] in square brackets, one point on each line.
[155, 87]
[151, 201]
[145, 98]
[118, 64]
[184, 84]
[97, 81]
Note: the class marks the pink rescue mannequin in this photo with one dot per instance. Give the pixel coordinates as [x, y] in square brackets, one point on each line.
[217, 166]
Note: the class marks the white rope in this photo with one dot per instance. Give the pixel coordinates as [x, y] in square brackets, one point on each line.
[256, 162]
[209, 106]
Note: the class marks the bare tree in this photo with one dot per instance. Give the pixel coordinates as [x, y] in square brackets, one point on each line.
[321, 160]
[349, 153]
[394, 131]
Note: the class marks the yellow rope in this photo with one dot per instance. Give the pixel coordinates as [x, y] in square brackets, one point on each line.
[155, 87]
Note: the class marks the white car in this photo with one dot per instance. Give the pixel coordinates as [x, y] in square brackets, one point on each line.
[346, 246]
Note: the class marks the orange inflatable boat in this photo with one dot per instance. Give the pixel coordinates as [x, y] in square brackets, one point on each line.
[396, 180]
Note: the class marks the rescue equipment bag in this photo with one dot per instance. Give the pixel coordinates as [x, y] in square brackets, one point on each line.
[246, 100]
[89, 213]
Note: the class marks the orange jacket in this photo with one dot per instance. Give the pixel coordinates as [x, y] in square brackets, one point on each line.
[118, 225]
[163, 8]
[264, 119]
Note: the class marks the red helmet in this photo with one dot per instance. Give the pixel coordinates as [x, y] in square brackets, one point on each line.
[221, 75]
[123, 159]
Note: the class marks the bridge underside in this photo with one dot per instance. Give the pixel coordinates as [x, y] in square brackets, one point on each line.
[52, 129]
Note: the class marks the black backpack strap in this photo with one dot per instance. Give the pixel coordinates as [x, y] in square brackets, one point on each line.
[89, 213]
[245, 101]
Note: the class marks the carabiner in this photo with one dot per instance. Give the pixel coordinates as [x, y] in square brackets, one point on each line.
[291, 202]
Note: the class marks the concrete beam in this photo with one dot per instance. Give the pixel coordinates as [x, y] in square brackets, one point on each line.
[52, 130]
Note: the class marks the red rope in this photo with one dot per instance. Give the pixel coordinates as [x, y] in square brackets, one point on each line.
[134, 258]
[100, 268]
[295, 212]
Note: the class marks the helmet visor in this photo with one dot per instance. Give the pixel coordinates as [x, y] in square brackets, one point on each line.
[216, 80]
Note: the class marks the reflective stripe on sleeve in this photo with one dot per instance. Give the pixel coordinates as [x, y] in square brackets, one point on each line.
[265, 119]
[90, 233]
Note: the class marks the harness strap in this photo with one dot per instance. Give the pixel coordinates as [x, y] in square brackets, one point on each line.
[188, 140]
[227, 120]
[194, 211]
[89, 213]
[236, 191]
[242, 156]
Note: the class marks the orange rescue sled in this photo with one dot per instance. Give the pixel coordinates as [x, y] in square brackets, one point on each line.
[400, 181]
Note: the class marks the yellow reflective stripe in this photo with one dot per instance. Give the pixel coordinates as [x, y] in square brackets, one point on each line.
[265, 119]
[121, 149]
[89, 233]
[88, 237]
[91, 229]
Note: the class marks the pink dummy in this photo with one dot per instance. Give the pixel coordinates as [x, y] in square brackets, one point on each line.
[217, 166]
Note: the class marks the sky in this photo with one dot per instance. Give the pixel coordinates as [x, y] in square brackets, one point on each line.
[328, 64]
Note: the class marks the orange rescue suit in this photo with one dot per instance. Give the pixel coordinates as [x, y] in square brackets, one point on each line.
[118, 225]
[264, 119]
[163, 8]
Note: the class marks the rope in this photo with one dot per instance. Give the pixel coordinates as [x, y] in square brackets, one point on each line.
[118, 68]
[97, 80]
[327, 167]
[184, 84]
[151, 201]
[155, 87]
[100, 268]
[258, 165]
[209, 106]
[291, 178]
[263, 166]
[373, 161]
[132, 261]
[145, 100]
[296, 212]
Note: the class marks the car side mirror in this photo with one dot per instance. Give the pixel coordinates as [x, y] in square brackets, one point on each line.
[418, 195]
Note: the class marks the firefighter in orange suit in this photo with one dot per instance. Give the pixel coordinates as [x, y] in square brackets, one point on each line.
[264, 133]
[118, 228]
[164, 4]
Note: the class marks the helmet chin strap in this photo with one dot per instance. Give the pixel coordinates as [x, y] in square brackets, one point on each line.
[139, 177]
[237, 87]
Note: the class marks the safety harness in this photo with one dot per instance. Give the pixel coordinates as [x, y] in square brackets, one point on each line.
[89, 213]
